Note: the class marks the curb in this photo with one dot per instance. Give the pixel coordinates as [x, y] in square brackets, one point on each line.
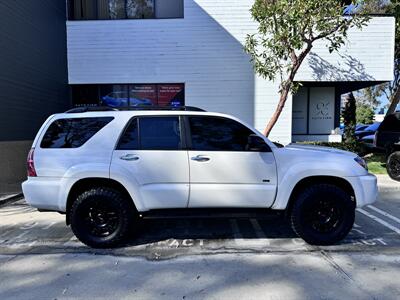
[10, 199]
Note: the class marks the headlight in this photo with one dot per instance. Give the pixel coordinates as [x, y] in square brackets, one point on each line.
[361, 162]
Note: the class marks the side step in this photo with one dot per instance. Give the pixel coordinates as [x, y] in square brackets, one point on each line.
[211, 213]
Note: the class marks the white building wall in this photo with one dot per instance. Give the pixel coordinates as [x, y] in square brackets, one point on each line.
[204, 50]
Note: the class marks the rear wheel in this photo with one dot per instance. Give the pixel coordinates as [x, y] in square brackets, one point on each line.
[323, 214]
[101, 217]
[393, 165]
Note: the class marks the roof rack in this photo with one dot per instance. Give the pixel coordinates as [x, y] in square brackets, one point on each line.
[128, 108]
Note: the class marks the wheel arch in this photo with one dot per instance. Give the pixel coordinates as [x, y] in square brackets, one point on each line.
[312, 180]
[86, 183]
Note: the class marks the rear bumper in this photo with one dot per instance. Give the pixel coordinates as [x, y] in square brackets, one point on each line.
[365, 189]
[42, 193]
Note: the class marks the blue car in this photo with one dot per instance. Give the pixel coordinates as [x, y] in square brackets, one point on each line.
[120, 99]
[370, 130]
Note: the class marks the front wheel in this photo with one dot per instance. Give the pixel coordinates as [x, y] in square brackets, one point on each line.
[393, 165]
[323, 214]
[101, 217]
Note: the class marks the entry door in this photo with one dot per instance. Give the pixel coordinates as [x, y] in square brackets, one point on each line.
[151, 155]
[222, 172]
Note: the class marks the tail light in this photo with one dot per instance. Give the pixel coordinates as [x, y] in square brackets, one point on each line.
[30, 164]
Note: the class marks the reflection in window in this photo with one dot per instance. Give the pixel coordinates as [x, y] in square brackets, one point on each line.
[140, 9]
[218, 134]
[130, 138]
[72, 133]
[124, 9]
[117, 9]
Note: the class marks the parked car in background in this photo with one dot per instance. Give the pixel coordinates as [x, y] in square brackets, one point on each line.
[387, 138]
[368, 143]
[369, 130]
[360, 127]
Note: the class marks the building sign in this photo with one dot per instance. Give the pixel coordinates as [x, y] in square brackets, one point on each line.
[321, 110]
[313, 111]
[142, 94]
[171, 95]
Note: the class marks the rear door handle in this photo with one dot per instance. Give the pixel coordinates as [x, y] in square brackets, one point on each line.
[130, 157]
[200, 158]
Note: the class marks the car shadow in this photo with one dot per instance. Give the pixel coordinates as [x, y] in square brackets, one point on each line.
[153, 231]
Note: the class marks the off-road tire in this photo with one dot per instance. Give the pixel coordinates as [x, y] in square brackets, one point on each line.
[123, 216]
[393, 165]
[305, 218]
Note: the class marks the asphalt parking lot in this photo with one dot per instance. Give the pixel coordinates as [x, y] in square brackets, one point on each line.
[25, 230]
[214, 258]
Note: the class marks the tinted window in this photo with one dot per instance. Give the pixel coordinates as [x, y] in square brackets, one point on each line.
[218, 134]
[156, 133]
[130, 138]
[160, 133]
[391, 123]
[72, 133]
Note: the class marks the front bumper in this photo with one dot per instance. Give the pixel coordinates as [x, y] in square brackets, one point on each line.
[365, 189]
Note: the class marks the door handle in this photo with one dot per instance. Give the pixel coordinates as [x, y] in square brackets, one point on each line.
[130, 157]
[200, 158]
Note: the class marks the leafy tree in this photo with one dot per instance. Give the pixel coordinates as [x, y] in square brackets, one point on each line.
[370, 96]
[349, 118]
[287, 31]
[364, 114]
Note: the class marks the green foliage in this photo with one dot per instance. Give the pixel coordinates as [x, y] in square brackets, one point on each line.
[287, 30]
[364, 114]
[370, 95]
[376, 163]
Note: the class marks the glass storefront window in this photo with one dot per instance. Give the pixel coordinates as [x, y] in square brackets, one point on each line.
[124, 9]
[120, 95]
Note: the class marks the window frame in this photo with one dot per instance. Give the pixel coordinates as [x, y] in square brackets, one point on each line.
[137, 119]
[188, 135]
[71, 5]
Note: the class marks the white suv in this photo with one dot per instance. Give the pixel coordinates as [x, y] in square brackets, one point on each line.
[106, 169]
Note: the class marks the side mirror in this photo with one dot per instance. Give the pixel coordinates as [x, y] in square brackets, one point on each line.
[256, 144]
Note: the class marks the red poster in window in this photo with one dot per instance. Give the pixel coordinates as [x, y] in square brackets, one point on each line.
[171, 94]
[143, 94]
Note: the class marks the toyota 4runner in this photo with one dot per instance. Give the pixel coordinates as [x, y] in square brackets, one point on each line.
[106, 169]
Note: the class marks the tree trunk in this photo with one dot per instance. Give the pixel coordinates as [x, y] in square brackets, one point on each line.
[282, 100]
[395, 101]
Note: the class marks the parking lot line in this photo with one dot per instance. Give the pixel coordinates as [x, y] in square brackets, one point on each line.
[235, 229]
[379, 220]
[257, 229]
[384, 213]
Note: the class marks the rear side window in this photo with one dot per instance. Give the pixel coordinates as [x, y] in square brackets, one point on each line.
[152, 133]
[72, 133]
